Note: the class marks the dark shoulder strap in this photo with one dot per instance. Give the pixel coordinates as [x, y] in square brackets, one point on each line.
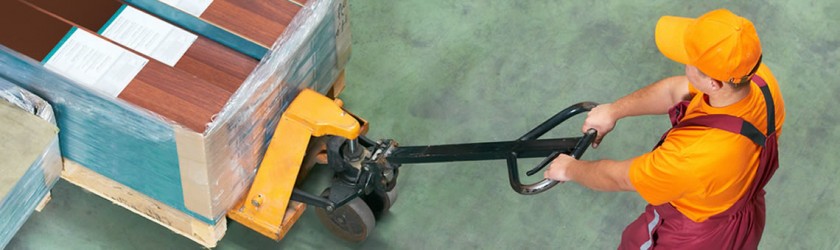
[729, 123]
[768, 99]
[736, 124]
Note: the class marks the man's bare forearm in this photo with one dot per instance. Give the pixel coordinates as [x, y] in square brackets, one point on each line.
[602, 175]
[653, 99]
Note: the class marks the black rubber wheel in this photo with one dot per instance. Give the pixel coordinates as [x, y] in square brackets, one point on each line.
[379, 203]
[392, 196]
[352, 222]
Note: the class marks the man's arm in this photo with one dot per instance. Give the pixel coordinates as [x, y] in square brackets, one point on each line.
[655, 98]
[610, 175]
[601, 175]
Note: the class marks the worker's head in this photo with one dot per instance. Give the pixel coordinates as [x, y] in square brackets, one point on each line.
[719, 45]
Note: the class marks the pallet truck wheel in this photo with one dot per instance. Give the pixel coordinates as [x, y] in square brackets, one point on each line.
[351, 222]
[392, 196]
[380, 204]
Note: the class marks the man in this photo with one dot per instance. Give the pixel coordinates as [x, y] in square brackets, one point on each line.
[705, 179]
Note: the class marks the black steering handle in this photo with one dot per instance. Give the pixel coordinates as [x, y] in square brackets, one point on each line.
[583, 143]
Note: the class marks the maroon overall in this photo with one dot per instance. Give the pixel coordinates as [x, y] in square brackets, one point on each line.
[740, 226]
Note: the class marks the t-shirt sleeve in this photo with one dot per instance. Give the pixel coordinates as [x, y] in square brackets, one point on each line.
[661, 175]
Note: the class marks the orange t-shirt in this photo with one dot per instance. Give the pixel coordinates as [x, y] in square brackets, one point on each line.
[703, 171]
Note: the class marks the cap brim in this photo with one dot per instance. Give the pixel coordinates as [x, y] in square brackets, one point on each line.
[670, 37]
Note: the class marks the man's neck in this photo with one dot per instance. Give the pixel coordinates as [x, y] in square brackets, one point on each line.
[728, 96]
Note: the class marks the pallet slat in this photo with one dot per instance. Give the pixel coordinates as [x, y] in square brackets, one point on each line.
[173, 219]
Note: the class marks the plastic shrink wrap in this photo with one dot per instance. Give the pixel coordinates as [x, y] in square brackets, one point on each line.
[30, 159]
[198, 173]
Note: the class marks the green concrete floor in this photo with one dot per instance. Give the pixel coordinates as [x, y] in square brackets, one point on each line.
[432, 72]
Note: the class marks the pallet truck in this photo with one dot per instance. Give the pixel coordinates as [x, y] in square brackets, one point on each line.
[363, 187]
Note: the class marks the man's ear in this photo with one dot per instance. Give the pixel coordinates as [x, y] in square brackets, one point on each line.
[715, 84]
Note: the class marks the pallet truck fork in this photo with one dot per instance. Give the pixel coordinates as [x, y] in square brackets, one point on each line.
[365, 171]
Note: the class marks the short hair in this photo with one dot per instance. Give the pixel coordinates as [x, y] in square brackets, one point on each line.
[734, 86]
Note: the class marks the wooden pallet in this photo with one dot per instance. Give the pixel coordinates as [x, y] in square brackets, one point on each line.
[179, 222]
[43, 202]
[202, 233]
[337, 87]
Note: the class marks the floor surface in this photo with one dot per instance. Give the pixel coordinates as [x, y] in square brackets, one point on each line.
[435, 72]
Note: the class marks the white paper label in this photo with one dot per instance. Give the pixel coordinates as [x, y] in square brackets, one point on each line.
[149, 35]
[192, 7]
[94, 62]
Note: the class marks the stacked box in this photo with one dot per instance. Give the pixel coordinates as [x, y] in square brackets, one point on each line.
[199, 171]
[31, 159]
[154, 70]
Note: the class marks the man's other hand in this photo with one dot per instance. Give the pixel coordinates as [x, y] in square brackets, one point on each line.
[558, 169]
[600, 118]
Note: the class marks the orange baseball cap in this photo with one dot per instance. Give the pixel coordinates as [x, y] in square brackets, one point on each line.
[719, 43]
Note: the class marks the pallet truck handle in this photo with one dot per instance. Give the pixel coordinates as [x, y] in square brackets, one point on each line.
[577, 151]
[584, 143]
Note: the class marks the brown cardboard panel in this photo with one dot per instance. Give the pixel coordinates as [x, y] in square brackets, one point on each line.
[29, 32]
[144, 93]
[215, 61]
[169, 92]
[260, 21]
[190, 101]
[91, 14]
[205, 59]
[280, 12]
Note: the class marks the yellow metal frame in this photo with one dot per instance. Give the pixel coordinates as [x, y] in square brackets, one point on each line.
[310, 114]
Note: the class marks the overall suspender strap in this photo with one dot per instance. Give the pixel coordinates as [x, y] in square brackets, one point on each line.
[729, 123]
[768, 99]
[736, 124]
